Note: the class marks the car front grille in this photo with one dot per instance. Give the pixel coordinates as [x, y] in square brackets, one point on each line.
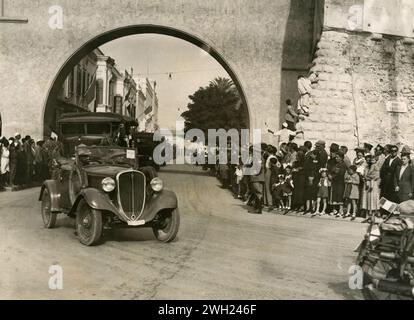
[131, 193]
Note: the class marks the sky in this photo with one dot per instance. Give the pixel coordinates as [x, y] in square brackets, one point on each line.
[152, 54]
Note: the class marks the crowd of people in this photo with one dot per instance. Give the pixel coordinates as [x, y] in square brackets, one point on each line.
[24, 162]
[306, 179]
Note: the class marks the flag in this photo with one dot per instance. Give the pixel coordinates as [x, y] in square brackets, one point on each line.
[90, 93]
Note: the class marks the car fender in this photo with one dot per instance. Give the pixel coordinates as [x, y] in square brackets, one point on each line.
[53, 189]
[96, 200]
[165, 199]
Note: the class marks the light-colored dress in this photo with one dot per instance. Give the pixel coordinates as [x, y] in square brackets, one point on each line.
[4, 166]
[371, 197]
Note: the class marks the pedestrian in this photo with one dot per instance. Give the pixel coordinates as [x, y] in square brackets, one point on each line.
[277, 192]
[298, 175]
[404, 179]
[371, 191]
[257, 180]
[14, 149]
[368, 149]
[285, 134]
[239, 178]
[387, 174]
[379, 154]
[29, 151]
[311, 169]
[322, 154]
[337, 177]
[344, 150]
[291, 116]
[323, 192]
[351, 192]
[4, 163]
[271, 163]
[288, 188]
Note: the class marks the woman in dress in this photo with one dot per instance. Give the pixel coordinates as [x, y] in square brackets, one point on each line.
[298, 174]
[337, 178]
[4, 163]
[371, 190]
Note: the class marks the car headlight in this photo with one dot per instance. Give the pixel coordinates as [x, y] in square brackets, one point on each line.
[157, 184]
[108, 184]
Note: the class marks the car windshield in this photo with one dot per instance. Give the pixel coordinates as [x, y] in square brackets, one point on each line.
[105, 155]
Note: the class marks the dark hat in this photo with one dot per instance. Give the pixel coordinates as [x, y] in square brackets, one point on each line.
[393, 147]
[340, 154]
[368, 146]
[359, 149]
[379, 147]
[334, 147]
[320, 143]
[406, 150]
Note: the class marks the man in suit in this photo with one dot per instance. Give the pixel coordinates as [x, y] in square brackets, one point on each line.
[387, 174]
[404, 179]
[257, 180]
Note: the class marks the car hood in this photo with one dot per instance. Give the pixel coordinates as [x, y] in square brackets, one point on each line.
[104, 170]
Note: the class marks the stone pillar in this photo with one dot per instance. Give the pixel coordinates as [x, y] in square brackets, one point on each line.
[332, 109]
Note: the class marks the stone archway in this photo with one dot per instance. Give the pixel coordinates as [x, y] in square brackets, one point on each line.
[127, 31]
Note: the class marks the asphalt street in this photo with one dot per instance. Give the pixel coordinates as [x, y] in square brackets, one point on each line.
[221, 252]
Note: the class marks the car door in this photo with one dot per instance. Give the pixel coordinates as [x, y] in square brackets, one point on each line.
[62, 176]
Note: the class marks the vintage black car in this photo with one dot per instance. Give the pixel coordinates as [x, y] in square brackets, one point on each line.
[104, 187]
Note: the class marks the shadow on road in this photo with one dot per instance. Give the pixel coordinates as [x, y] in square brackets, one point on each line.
[186, 172]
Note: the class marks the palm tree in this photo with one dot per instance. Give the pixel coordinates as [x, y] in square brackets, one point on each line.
[223, 84]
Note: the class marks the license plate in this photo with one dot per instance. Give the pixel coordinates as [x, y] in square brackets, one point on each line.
[136, 223]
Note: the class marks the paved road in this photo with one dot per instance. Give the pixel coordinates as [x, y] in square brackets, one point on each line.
[222, 252]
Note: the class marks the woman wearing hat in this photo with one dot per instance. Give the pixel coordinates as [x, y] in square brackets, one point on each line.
[371, 191]
[404, 179]
[337, 178]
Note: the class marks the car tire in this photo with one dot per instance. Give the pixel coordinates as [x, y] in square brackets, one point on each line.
[48, 217]
[167, 230]
[88, 224]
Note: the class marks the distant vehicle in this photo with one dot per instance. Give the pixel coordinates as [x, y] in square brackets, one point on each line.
[145, 145]
[94, 128]
[104, 187]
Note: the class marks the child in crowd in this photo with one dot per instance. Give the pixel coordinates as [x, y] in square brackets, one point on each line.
[288, 187]
[323, 192]
[277, 192]
[351, 193]
[239, 177]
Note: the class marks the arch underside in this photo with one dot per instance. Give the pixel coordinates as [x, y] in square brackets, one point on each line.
[48, 110]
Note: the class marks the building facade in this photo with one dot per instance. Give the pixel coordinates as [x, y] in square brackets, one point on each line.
[78, 92]
[148, 105]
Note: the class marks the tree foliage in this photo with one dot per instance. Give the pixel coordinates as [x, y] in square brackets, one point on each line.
[216, 106]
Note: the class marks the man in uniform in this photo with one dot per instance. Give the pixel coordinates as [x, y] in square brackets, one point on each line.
[387, 174]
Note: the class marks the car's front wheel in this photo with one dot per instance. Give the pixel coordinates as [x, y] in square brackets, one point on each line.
[88, 224]
[168, 223]
[48, 217]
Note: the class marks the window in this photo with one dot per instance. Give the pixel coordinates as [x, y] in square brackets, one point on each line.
[99, 128]
[99, 91]
[78, 81]
[73, 128]
[71, 82]
[84, 84]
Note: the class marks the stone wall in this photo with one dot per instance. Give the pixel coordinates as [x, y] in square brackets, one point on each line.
[358, 76]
